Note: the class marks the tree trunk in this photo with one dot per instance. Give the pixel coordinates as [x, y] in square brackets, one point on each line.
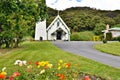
[16, 42]
[12, 43]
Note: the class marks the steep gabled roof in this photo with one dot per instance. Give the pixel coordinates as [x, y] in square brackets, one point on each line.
[58, 17]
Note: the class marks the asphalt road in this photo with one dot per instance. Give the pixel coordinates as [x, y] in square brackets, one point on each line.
[85, 48]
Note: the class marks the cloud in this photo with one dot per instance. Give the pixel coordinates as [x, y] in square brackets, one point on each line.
[61, 4]
[98, 4]
[106, 4]
[78, 0]
[54, 2]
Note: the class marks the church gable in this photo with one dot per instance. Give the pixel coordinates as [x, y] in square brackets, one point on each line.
[58, 27]
[58, 22]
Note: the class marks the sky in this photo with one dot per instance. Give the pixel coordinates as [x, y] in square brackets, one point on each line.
[98, 4]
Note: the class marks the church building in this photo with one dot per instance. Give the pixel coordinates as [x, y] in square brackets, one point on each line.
[57, 30]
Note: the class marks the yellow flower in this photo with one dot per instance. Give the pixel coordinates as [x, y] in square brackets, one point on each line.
[38, 66]
[4, 73]
[60, 61]
[50, 65]
[59, 64]
[59, 67]
[64, 65]
[30, 66]
[43, 63]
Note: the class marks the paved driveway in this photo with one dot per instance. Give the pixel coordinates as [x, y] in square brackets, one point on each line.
[85, 48]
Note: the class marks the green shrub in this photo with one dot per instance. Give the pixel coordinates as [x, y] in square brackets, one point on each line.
[115, 39]
[109, 36]
[118, 38]
[82, 36]
[104, 41]
[75, 37]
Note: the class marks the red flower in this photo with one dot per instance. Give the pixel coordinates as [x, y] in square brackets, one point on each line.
[86, 78]
[11, 78]
[2, 76]
[28, 70]
[37, 63]
[16, 74]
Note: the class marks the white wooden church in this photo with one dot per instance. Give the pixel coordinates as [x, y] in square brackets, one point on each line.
[57, 30]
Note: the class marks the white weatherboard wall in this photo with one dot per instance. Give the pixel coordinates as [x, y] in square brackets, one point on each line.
[40, 30]
[115, 33]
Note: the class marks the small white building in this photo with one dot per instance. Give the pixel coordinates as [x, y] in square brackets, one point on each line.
[115, 31]
[57, 30]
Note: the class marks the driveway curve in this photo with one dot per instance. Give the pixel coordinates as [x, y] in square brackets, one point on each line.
[85, 49]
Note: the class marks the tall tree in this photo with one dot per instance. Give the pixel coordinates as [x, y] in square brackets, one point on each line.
[117, 19]
[99, 27]
[17, 17]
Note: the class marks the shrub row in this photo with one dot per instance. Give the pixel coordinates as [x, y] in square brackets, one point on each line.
[82, 36]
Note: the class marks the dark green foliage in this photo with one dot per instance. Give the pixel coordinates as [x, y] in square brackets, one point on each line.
[18, 18]
[117, 25]
[117, 19]
[85, 18]
[104, 41]
[118, 38]
[109, 36]
[114, 39]
[110, 21]
[98, 29]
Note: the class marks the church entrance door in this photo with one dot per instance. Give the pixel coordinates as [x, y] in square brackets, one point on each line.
[59, 35]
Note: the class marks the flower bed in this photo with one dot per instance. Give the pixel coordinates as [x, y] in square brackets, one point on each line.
[44, 70]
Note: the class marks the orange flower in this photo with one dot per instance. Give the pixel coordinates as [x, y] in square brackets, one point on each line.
[2, 76]
[61, 76]
[30, 62]
[68, 65]
[45, 67]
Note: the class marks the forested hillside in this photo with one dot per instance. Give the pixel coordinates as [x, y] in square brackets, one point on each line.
[85, 18]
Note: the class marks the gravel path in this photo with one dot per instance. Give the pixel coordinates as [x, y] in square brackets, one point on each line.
[85, 48]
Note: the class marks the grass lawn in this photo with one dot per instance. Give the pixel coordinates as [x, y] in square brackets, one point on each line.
[110, 48]
[45, 51]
